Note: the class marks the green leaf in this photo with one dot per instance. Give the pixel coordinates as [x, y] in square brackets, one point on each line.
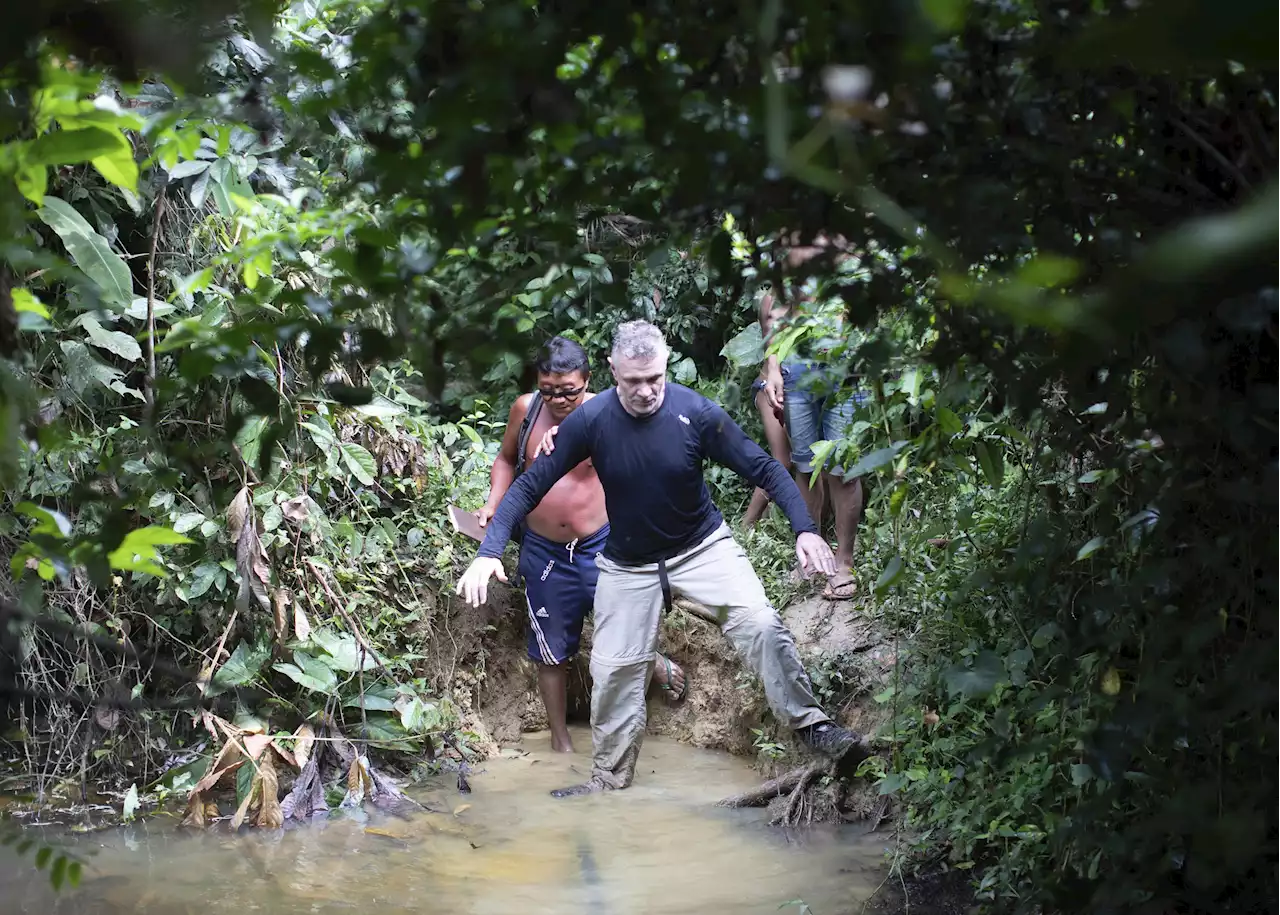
[343, 651]
[418, 717]
[82, 368]
[33, 182]
[58, 872]
[746, 347]
[991, 460]
[137, 553]
[891, 784]
[114, 341]
[188, 521]
[948, 422]
[1048, 271]
[241, 669]
[1092, 476]
[978, 680]
[1081, 774]
[119, 168]
[24, 301]
[42, 857]
[89, 251]
[373, 702]
[187, 169]
[890, 574]
[309, 673]
[49, 522]
[360, 462]
[1090, 548]
[73, 147]
[202, 579]
[380, 408]
[881, 457]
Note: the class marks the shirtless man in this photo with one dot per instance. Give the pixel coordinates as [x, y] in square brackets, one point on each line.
[563, 536]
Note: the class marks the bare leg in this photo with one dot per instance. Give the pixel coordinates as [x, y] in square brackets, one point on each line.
[815, 496]
[846, 499]
[775, 434]
[553, 687]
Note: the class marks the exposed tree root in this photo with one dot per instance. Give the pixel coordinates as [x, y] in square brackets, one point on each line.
[812, 793]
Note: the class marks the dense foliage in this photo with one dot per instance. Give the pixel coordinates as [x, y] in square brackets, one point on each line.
[259, 315]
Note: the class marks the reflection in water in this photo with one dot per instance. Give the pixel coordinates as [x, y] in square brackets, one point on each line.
[508, 847]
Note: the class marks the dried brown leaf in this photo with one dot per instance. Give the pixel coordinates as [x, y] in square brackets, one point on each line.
[196, 815]
[270, 815]
[306, 739]
[280, 600]
[301, 625]
[238, 514]
[107, 718]
[297, 509]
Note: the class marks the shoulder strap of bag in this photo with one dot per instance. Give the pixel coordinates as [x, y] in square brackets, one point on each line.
[522, 441]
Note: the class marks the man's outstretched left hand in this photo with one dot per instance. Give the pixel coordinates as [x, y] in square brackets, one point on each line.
[815, 554]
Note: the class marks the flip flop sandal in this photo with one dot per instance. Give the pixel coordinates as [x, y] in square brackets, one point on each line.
[671, 696]
[846, 590]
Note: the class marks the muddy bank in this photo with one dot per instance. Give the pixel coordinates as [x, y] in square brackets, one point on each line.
[725, 708]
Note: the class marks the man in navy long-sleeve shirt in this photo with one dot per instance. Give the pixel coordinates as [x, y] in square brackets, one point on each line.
[647, 440]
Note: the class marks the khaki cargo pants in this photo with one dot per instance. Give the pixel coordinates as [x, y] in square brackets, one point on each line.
[628, 609]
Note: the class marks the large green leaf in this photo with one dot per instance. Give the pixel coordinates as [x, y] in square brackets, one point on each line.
[137, 553]
[82, 369]
[881, 457]
[360, 462]
[89, 251]
[244, 665]
[114, 341]
[343, 651]
[72, 147]
[746, 348]
[309, 673]
[978, 679]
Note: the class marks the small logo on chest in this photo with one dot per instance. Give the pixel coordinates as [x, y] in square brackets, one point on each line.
[684, 419]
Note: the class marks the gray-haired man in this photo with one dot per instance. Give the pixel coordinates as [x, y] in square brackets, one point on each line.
[647, 440]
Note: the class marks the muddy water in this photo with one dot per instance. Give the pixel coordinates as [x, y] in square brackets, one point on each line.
[508, 847]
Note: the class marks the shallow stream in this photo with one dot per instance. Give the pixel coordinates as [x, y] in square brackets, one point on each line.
[508, 847]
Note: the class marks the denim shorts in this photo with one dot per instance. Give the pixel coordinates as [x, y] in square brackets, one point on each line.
[818, 409]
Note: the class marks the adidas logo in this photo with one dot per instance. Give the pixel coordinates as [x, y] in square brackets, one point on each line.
[542, 612]
[547, 570]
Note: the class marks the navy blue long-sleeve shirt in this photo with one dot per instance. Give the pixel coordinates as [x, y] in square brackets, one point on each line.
[651, 470]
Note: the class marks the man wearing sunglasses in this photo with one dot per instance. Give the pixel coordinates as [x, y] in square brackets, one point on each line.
[562, 535]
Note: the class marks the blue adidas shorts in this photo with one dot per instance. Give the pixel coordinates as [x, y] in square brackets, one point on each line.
[559, 589]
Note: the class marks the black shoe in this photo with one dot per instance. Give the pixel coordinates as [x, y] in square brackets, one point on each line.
[829, 739]
[592, 785]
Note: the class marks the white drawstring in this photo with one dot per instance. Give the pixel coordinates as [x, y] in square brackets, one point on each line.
[572, 544]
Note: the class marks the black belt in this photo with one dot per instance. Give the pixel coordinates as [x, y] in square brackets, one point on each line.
[666, 584]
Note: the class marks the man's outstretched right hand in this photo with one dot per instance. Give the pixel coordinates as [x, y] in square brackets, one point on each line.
[473, 587]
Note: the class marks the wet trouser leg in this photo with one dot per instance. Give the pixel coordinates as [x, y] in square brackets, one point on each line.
[717, 575]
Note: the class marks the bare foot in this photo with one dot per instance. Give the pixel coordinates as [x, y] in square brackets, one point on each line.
[841, 586]
[670, 678]
[562, 744]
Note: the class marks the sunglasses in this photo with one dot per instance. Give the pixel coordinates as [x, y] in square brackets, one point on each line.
[572, 394]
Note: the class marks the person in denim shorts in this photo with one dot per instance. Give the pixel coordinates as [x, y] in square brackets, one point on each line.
[819, 405]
